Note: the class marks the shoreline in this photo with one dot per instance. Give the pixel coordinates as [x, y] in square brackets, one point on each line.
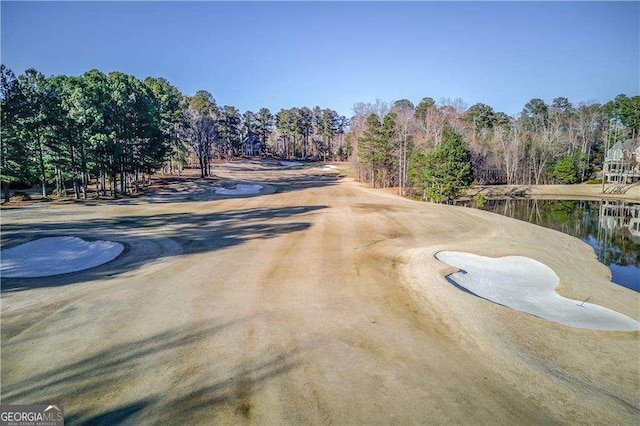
[581, 191]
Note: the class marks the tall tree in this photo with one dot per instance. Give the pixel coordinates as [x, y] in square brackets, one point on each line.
[430, 119]
[65, 132]
[480, 116]
[367, 145]
[229, 126]
[264, 125]
[535, 115]
[329, 130]
[406, 126]
[403, 104]
[447, 169]
[627, 111]
[248, 123]
[377, 148]
[172, 119]
[90, 108]
[137, 144]
[387, 150]
[589, 124]
[304, 120]
[286, 124]
[202, 128]
[14, 153]
[35, 117]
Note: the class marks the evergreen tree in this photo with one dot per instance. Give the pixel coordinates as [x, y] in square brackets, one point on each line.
[447, 170]
[14, 153]
[565, 171]
[34, 119]
[305, 127]
[627, 111]
[264, 125]
[377, 148]
[367, 145]
[229, 127]
[286, 124]
[416, 172]
[172, 118]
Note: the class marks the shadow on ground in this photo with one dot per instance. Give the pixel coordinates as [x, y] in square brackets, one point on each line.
[171, 189]
[190, 187]
[146, 379]
[149, 239]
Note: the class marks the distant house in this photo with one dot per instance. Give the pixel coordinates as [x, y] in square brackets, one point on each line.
[251, 145]
[617, 215]
[622, 162]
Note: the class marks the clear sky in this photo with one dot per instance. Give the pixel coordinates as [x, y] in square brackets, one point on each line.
[333, 54]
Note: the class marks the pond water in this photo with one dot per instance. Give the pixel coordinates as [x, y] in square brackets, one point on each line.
[612, 228]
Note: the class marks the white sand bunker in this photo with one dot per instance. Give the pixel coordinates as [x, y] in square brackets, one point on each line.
[328, 167]
[290, 163]
[529, 286]
[56, 255]
[240, 189]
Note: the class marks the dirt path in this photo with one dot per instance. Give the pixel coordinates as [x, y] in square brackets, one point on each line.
[319, 303]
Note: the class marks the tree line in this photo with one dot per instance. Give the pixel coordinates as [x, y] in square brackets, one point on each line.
[114, 131]
[440, 148]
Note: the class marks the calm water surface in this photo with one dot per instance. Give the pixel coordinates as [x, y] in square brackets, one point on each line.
[612, 228]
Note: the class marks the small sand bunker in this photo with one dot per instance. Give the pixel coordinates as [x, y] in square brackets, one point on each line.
[56, 255]
[290, 163]
[529, 286]
[328, 167]
[240, 189]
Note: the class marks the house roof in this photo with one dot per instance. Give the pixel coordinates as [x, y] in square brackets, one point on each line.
[251, 138]
[628, 145]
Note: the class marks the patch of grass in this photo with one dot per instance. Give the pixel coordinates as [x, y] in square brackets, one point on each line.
[479, 200]
[244, 409]
[594, 181]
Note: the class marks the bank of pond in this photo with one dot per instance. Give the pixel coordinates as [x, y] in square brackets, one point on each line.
[611, 227]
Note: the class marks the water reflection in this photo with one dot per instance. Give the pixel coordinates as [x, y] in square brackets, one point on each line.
[612, 228]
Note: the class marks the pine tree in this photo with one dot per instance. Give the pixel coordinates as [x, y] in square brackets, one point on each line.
[565, 171]
[447, 169]
[367, 145]
[14, 153]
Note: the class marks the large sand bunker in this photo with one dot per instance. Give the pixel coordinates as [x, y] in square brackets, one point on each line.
[529, 286]
[56, 255]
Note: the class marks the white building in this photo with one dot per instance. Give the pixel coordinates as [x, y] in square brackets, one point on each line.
[622, 162]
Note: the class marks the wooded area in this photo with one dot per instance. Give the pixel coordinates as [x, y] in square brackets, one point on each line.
[114, 130]
[402, 144]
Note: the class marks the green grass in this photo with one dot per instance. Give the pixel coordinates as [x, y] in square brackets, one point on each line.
[244, 410]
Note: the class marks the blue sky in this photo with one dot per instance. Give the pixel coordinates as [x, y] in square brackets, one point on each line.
[333, 54]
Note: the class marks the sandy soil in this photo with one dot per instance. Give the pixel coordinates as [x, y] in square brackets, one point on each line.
[581, 191]
[320, 303]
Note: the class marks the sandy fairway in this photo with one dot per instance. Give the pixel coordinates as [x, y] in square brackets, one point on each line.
[320, 302]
